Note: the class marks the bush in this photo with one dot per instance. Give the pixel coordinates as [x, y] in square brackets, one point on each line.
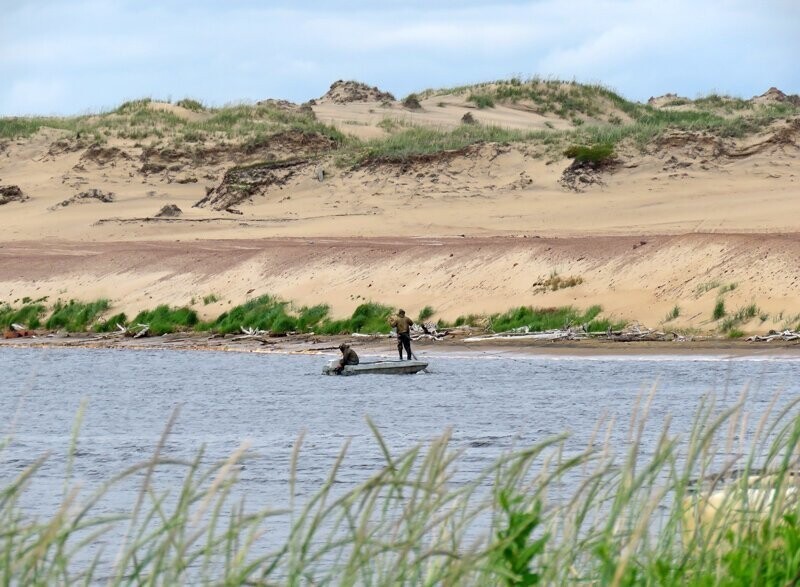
[190, 104]
[412, 102]
[481, 101]
[593, 155]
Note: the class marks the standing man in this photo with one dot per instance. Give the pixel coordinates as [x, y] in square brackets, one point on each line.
[403, 325]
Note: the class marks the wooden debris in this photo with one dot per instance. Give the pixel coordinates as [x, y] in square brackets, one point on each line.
[249, 331]
[137, 331]
[786, 335]
[427, 331]
[632, 332]
[636, 332]
[525, 334]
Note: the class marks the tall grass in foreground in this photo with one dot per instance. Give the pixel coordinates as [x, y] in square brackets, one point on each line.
[544, 514]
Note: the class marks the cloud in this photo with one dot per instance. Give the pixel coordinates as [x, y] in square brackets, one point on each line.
[246, 49]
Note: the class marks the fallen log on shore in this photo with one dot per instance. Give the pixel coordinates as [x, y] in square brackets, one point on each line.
[772, 335]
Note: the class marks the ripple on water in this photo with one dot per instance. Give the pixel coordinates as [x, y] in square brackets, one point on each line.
[224, 399]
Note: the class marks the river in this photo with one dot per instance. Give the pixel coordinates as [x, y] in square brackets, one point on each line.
[490, 401]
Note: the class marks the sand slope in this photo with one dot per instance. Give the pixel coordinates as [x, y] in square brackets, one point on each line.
[467, 231]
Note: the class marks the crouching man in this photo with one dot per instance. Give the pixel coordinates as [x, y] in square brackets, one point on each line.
[349, 357]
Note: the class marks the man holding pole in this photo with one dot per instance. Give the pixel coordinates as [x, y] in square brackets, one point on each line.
[403, 325]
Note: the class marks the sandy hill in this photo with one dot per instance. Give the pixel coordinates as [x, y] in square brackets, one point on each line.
[460, 198]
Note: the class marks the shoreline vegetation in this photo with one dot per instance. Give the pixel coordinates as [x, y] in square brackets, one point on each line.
[705, 506]
[271, 315]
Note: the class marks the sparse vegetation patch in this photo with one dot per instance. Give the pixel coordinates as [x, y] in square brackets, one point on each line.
[481, 100]
[556, 282]
[191, 104]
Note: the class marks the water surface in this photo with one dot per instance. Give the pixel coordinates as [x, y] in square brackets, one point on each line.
[491, 403]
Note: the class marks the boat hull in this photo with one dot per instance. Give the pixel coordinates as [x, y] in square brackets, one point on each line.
[377, 368]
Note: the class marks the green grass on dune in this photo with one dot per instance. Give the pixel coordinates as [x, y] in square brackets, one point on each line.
[274, 315]
[28, 315]
[75, 316]
[540, 319]
[599, 114]
[271, 314]
[262, 313]
[165, 319]
[137, 120]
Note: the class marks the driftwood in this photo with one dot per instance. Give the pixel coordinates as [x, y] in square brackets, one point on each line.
[635, 332]
[17, 331]
[631, 333]
[524, 333]
[427, 331]
[137, 331]
[773, 335]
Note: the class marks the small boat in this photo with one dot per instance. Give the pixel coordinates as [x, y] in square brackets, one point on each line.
[376, 368]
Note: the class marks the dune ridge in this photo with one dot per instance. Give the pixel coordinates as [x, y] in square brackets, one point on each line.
[356, 196]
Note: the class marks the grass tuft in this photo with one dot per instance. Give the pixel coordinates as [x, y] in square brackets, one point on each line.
[28, 315]
[76, 316]
[190, 104]
[425, 313]
[164, 319]
[719, 310]
[540, 319]
[481, 100]
[594, 155]
[674, 313]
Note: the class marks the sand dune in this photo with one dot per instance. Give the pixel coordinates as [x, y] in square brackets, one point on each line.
[690, 209]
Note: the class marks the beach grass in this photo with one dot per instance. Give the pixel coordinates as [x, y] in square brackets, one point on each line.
[271, 314]
[74, 316]
[703, 506]
[719, 309]
[28, 315]
[673, 313]
[165, 319]
[540, 319]
[599, 115]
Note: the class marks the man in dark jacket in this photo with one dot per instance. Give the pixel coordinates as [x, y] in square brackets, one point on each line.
[349, 357]
[403, 325]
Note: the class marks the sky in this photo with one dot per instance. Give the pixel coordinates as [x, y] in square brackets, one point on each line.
[80, 56]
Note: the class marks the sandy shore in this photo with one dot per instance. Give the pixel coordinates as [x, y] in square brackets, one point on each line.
[384, 345]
